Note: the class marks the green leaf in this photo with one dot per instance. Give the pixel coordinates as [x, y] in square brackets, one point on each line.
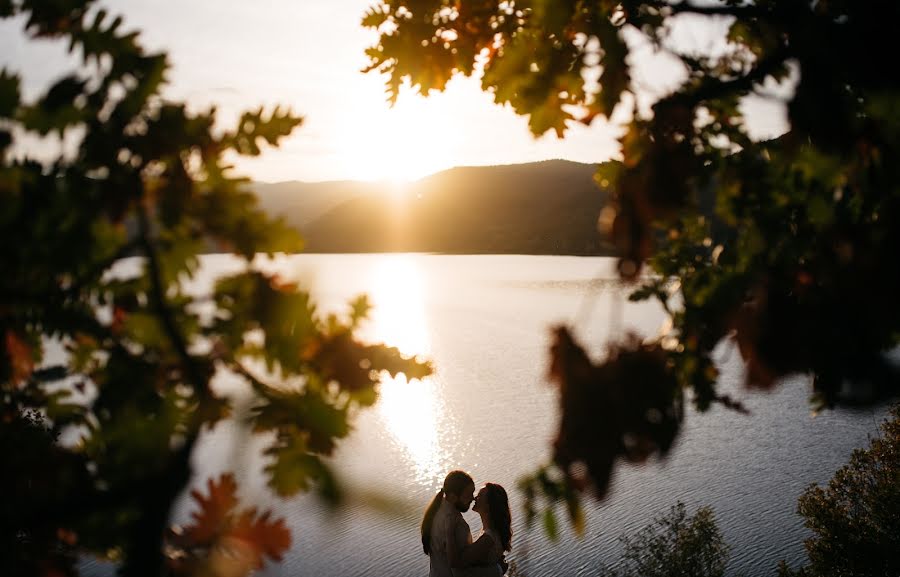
[58, 109]
[375, 16]
[310, 413]
[359, 309]
[576, 513]
[255, 126]
[550, 527]
[63, 413]
[295, 469]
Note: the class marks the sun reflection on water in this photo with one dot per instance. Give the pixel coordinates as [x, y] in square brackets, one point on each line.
[411, 412]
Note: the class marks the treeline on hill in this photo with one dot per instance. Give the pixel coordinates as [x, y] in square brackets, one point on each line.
[548, 207]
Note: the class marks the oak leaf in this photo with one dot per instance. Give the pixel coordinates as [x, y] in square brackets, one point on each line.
[266, 537]
[219, 525]
[215, 511]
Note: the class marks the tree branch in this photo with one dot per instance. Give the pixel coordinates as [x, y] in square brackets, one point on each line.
[239, 368]
[146, 557]
[158, 296]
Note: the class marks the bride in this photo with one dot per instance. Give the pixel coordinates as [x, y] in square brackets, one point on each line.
[485, 557]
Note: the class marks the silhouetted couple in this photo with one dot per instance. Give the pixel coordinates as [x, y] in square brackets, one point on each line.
[447, 539]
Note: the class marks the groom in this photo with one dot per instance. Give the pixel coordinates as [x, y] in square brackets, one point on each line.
[443, 520]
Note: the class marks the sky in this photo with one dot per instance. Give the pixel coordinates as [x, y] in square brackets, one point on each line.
[308, 55]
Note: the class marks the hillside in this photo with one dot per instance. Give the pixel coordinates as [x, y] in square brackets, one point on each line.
[548, 207]
[302, 202]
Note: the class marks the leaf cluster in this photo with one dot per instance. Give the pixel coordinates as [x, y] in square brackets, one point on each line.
[98, 246]
[538, 57]
[628, 407]
[222, 533]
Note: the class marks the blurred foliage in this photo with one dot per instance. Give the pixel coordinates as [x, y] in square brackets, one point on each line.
[631, 399]
[220, 534]
[105, 376]
[675, 545]
[784, 248]
[855, 519]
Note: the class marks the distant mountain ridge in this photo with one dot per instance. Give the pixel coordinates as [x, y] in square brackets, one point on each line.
[302, 202]
[547, 207]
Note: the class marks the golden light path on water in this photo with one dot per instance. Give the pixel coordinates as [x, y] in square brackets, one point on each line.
[411, 412]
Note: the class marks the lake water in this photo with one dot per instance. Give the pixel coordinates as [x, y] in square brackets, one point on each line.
[489, 410]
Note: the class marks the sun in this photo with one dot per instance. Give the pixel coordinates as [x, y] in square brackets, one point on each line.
[402, 143]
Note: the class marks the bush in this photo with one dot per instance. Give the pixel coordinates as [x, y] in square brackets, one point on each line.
[676, 545]
[855, 519]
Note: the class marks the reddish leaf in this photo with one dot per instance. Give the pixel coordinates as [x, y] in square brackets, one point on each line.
[268, 538]
[220, 526]
[118, 320]
[214, 516]
[20, 359]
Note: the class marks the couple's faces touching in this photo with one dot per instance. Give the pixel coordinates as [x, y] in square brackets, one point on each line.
[464, 500]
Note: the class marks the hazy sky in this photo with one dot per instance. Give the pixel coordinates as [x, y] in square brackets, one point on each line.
[307, 54]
